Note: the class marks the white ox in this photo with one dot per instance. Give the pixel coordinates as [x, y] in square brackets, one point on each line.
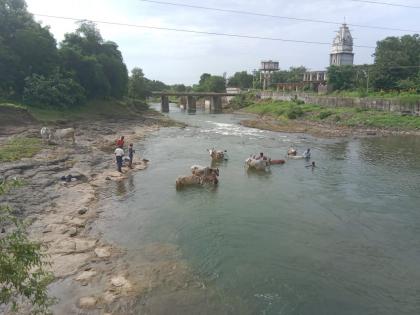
[58, 135]
[204, 170]
[259, 165]
[217, 154]
[191, 180]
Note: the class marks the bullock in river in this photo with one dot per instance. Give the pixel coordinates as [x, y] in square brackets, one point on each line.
[257, 164]
[292, 152]
[200, 175]
[203, 171]
[217, 155]
[58, 135]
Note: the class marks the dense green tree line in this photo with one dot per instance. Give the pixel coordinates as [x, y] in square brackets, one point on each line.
[84, 66]
[34, 70]
[210, 83]
[245, 80]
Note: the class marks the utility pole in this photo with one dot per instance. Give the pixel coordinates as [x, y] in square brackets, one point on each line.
[367, 81]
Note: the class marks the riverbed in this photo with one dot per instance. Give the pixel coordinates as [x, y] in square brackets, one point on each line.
[340, 238]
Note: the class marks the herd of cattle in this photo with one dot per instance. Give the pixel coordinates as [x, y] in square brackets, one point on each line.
[201, 175]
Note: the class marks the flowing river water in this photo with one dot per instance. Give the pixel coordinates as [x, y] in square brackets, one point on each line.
[343, 238]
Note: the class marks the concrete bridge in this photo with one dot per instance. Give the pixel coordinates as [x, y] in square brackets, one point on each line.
[191, 98]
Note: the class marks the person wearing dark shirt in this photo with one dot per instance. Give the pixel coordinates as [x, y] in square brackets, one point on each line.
[131, 152]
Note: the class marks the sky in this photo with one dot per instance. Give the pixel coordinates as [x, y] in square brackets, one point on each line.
[176, 57]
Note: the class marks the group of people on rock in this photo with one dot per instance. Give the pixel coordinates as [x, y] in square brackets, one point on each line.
[119, 154]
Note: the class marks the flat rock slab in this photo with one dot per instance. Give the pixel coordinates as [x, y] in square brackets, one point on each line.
[87, 302]
[103, 252]
[86, 275]
[67, 265]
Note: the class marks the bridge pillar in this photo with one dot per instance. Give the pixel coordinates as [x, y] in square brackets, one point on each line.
[183, 102]
[164, 105]
[216, 104]
[191, 104]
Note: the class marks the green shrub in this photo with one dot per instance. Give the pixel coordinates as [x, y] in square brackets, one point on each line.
[54, 91]
[325, 114]
[23, 275]
[294, 111]
[360, 109]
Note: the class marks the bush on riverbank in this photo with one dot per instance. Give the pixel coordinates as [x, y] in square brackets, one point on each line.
[23, 277]
[341, 116]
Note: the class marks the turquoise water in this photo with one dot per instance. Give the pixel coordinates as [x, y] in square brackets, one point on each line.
[343, 238]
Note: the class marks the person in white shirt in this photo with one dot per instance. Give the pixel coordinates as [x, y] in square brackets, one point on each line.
[119, 153]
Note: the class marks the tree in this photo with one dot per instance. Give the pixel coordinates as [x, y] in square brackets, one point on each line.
[342, 77]
[25, 48]
[138, 86]
[203, 78]
[241, 79]
[179, 87]
[215, 84]
[97, 65]
[210, 83]
[55, 91]
[156, 85]
[294, 74]
[397, 61]
[22, 264]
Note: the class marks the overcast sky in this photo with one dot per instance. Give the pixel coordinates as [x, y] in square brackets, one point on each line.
[175, 57]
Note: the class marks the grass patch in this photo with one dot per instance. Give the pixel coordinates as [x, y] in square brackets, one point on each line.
[290, 110]
[18, 148]
[343, 116]
[402, 97]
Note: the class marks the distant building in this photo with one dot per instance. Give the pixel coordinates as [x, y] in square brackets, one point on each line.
[267, 67]
[341, 54]
[231, 90]
[342, 48]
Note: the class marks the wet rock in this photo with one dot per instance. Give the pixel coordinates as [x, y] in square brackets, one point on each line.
[73, 232]
[82, 211]
[109, 297]
[86, 276]
[83, 245]
[77, 222]
[87, 302]
[102, 252]
[119, 281]
[64, 265]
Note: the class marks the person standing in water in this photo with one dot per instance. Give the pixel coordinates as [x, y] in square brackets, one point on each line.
[307, 154]
[131, 152]
[120, 142]
[119, 153]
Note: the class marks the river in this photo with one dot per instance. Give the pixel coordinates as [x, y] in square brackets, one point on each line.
[343, 238]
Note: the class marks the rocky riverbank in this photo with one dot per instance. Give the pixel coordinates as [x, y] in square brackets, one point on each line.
[91, 275]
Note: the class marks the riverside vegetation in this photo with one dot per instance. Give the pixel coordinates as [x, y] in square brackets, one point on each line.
[293, 113]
